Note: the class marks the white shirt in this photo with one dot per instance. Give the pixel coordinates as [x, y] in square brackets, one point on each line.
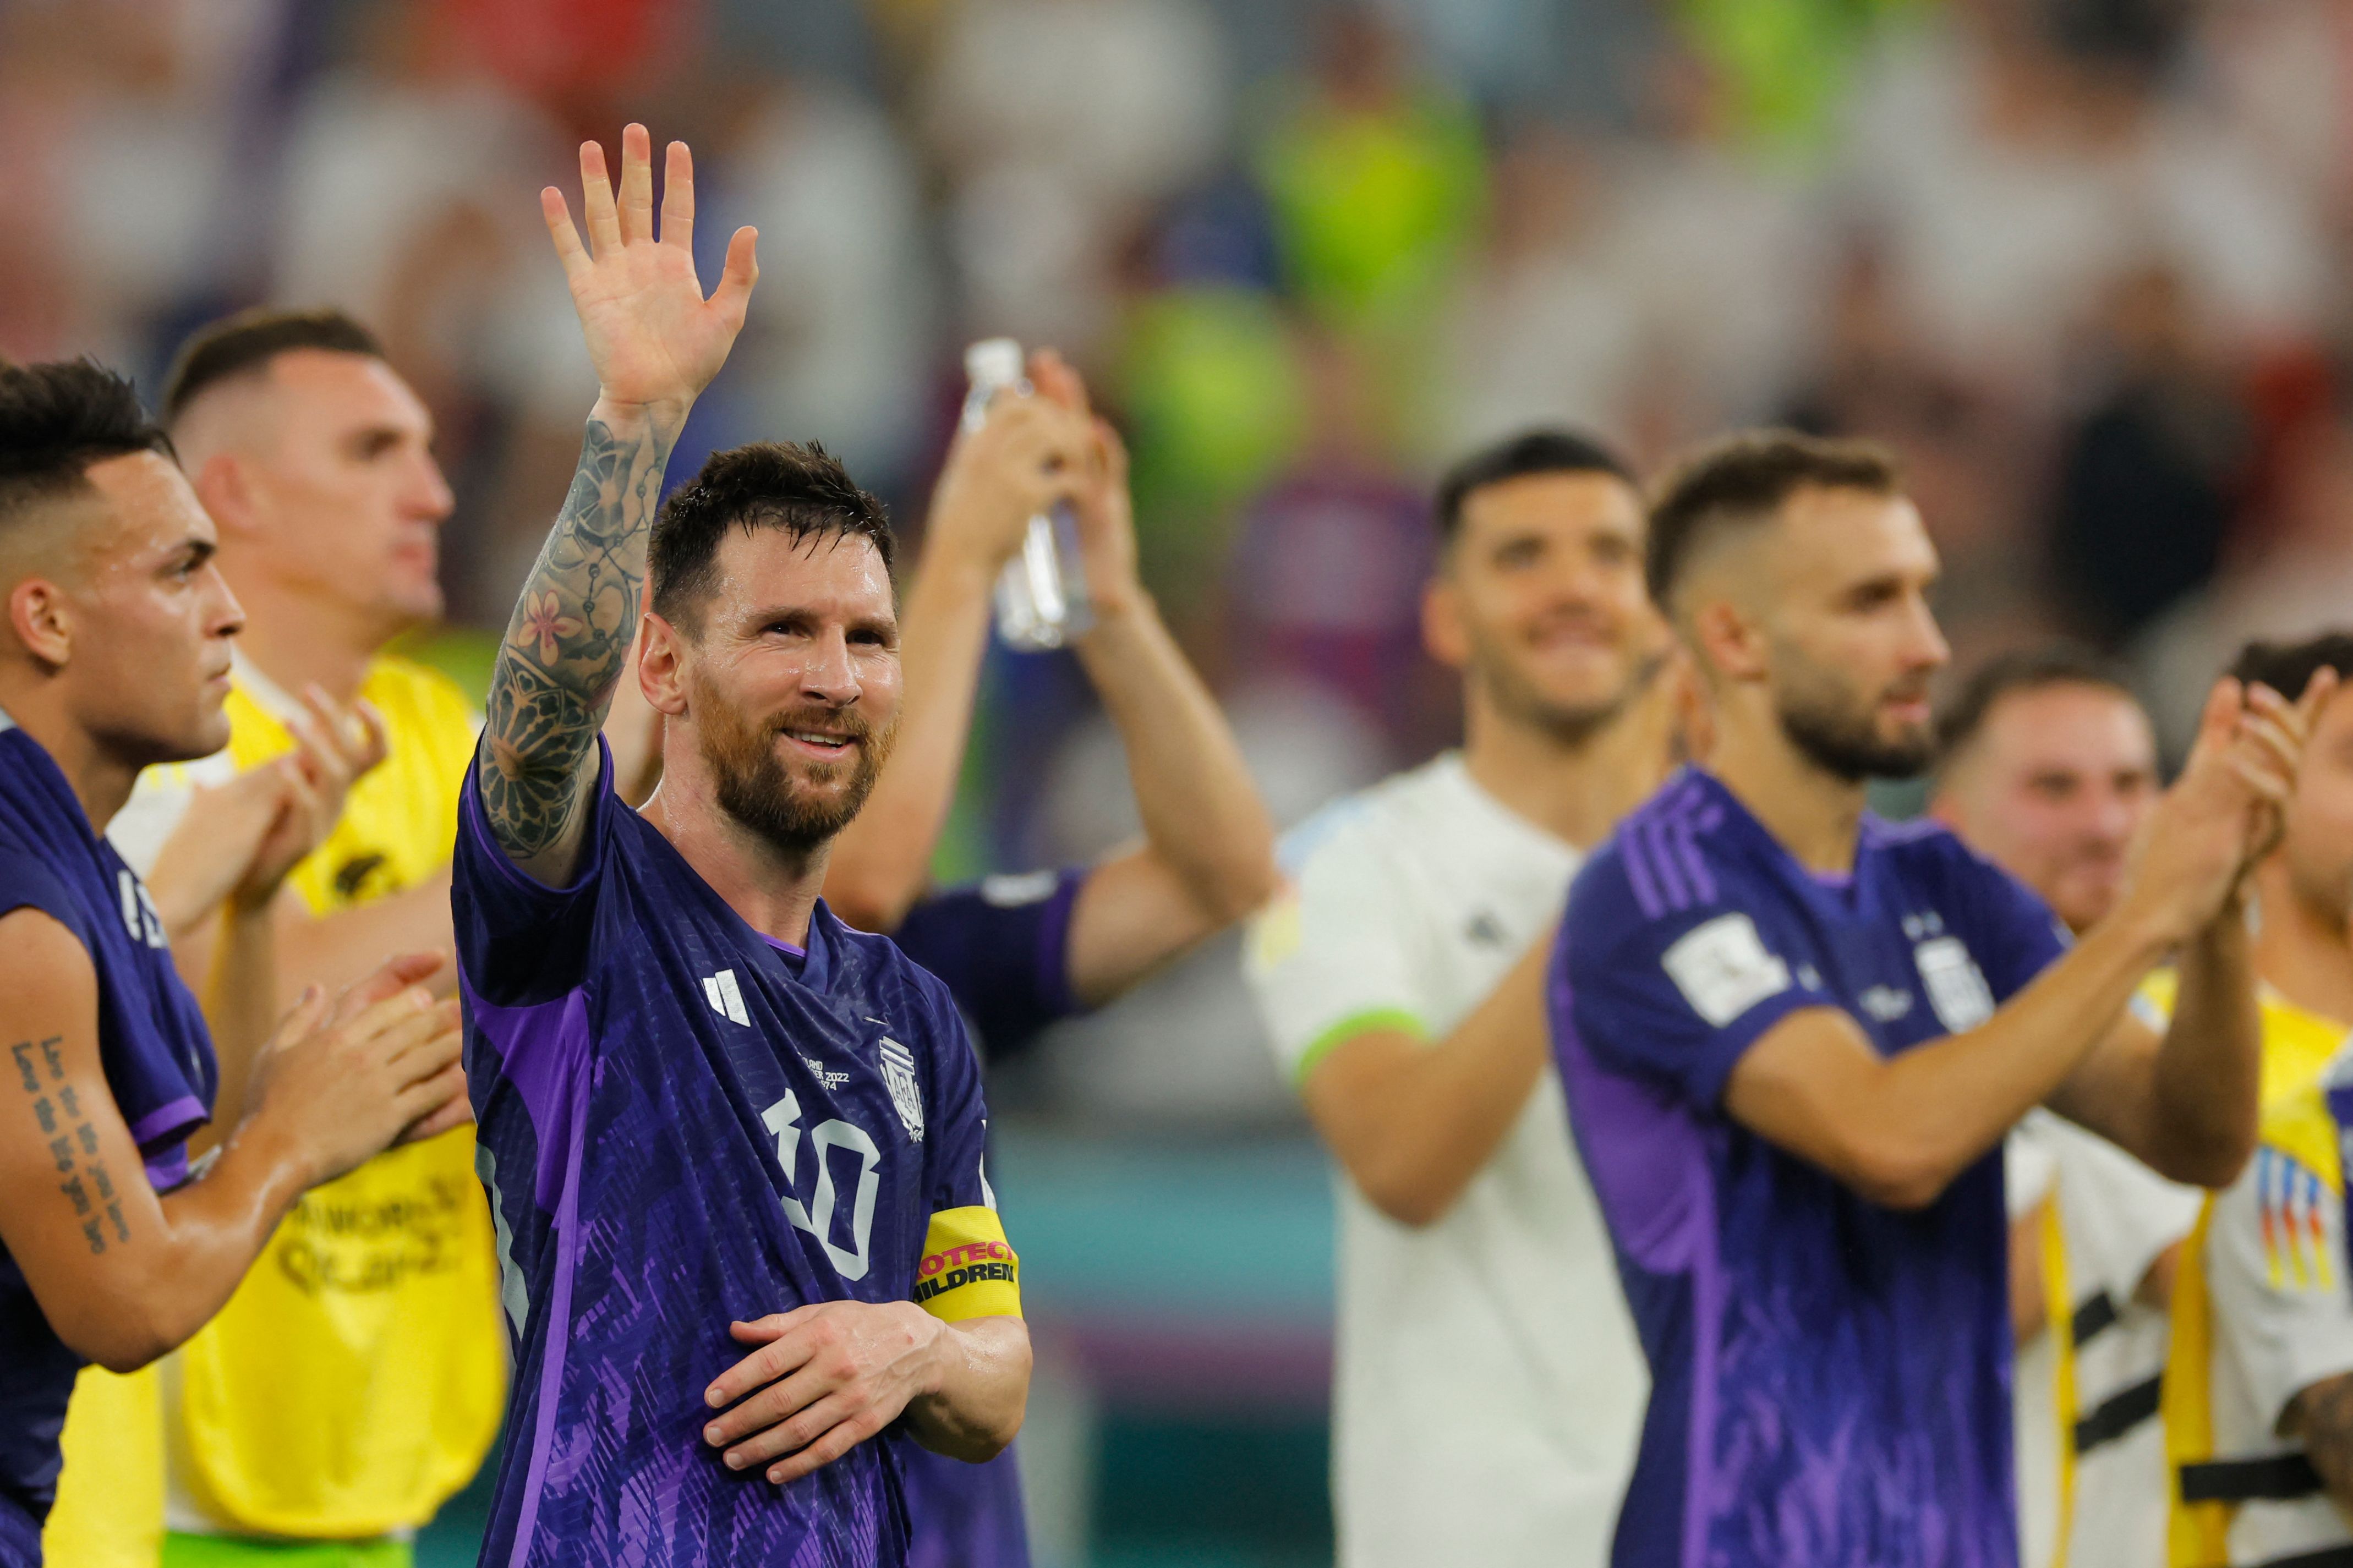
[1489, 1388]
[2116, 1218]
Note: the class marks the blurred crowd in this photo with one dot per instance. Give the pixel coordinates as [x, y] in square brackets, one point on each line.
[2083, 263]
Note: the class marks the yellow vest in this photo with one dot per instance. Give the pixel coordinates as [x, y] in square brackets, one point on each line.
[2298, 1046]
[357, 1377]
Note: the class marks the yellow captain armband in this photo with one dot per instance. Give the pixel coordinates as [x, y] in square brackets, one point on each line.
[968, 1270]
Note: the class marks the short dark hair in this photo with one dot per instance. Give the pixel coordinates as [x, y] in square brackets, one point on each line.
[1532, 452]
[2287, 668]
[2011, 674]
[57, 419]
[246, 342]
[801, 491]
[1747, 479]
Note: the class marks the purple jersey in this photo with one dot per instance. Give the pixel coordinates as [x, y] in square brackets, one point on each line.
[159, 1066]
[1002, 948]
[1831, 1377]
[682, 1123]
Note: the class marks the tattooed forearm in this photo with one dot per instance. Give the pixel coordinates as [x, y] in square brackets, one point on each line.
[570, 636]
[71, 1141]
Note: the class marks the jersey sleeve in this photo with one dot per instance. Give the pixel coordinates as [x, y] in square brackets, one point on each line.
[2275, 1265]
[2017, 936]
[1674, 994]
[1002, 947]
[968, 1268]
[27, 883]
[519, 940]
[1332, 958]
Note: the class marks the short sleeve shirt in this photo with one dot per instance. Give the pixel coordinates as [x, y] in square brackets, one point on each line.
[159, 1066]
[685, 1123]
[1829, 1378]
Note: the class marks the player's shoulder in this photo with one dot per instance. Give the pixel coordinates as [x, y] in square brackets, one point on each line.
[1673, 859]
[901, 989]
[1930, 859]
[1377, 821]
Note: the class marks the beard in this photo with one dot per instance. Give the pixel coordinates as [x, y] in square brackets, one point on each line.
[1837, 728]
[754, 786]
[1568, 724]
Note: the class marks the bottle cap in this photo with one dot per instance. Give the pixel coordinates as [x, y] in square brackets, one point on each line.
[993, 362]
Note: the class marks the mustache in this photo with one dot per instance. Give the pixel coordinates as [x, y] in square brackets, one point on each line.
[841, 723]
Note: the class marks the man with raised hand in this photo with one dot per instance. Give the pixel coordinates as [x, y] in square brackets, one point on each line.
[2046, 765]
[1793, 1037]
[1021, 952]
[115, 657]
[734, 1146]
[1488, 1385]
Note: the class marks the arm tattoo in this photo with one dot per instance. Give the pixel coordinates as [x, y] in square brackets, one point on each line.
[2324, 1418]
[569, 638]
[71, 1141]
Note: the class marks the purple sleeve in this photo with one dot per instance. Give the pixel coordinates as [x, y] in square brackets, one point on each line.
[957, 1139]
[519, 941]
[2017, 934]
[1002, 947]
[27, 883]
[1674, 999]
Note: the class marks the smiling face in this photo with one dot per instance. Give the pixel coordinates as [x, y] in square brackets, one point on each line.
[342, 498]
[2053, 786]
[1849, 644]
[1540, 600]
[790, 680]
[131, 615]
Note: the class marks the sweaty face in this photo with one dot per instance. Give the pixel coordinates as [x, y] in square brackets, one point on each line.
[151, 617]
[2317, 850]
[347, 496]
[1542, 603]
[1852, 643]
[793, 684]
[2053, 788]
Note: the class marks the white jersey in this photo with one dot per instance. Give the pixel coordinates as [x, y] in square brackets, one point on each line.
[2092, 1480]
[1489, 1388]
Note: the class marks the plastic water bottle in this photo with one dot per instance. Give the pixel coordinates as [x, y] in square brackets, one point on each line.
[1041, 595]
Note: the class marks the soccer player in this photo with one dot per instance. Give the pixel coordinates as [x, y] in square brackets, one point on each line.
[1793, 1037]
[373, 1333]
[1019, 952]
[2047, 765]
[116, 657]
[2259, 1389]
[1489, 1385]
[733, 1146]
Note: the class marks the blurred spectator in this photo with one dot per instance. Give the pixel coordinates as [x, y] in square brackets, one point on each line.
[1060, 122]
[840, 354]
[2149, 470]
[1540, 333]
[1376, 174]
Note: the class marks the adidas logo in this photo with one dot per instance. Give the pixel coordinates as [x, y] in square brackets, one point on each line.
[726, 996]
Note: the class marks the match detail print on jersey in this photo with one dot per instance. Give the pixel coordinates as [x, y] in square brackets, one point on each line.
[968, 1270]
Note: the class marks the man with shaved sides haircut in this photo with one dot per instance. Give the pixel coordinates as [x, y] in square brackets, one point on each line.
[378, 1343]
[734, 1146]
[1793, 1037]
[114, 656]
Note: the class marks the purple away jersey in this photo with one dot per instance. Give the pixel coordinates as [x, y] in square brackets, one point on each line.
[159, 1064]
[683, 1124]
[1831, 1378]
[1002, 948]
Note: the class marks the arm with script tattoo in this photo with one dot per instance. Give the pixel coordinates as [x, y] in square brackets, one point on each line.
[655, 342]
[123, 1273]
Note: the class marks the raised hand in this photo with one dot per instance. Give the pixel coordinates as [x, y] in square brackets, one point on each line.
[654, 339]
[1033, 452]
[1100, 502]
[334, 746]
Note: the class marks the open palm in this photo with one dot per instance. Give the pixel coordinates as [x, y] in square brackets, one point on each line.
[652, 336]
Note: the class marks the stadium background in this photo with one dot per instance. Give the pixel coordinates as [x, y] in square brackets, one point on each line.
[2084, 262]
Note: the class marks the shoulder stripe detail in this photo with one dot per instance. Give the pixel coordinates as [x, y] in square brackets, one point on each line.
[1365, 1022]
[1662, 864]
[1638, 874]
